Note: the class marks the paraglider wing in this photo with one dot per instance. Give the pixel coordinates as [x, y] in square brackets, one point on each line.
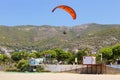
[67, 9]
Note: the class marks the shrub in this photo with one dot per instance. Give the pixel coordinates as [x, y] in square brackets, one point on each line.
[23, 65]
[14, 69]
[40, 69]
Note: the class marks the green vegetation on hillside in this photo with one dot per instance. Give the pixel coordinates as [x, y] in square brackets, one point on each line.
[93, 36]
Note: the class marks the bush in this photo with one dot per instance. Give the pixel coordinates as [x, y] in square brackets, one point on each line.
[14, 69]
[40, 69]
[23, 65]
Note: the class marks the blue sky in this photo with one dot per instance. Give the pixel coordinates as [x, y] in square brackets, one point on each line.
[38, 12]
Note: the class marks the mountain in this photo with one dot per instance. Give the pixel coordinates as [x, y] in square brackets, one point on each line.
[93, 36]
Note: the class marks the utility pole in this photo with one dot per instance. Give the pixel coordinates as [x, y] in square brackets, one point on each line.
[101, 57]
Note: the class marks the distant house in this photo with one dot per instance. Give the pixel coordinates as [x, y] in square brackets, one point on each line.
[93, 52]
[66, 49]
[36, 61]
[75, 50]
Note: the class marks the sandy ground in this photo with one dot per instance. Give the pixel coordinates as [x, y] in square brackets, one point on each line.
[55, 76]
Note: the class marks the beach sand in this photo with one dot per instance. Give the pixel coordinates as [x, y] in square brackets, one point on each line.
[56, 76]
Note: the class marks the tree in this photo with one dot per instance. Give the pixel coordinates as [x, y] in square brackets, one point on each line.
[116, 51]
[62, 55]
[23, 65]
[35, 55]
[106, 54]
[71, 60]
[80, 55]
[49, 54]
[32, 55]
[1, 58]
[16, 56]
[4, 60]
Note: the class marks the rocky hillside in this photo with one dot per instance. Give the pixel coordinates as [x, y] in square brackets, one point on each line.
[93, 36]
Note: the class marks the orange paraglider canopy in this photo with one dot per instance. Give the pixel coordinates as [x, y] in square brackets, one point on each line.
[67, 9]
